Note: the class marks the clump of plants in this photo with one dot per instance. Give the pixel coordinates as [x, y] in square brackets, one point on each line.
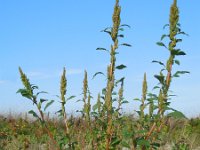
[103, 126]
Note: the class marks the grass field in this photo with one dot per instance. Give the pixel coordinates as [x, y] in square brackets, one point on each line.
[23, 133]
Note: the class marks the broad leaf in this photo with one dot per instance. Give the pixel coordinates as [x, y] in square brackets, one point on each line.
[120, 67]
[126, 44]
[178, 40]
[177, 52]
[48, 104]
[71, 97]
[102, 49]
[178, 73]
[25, 93]
[163, 36]
[97, 73]
[125, 102]
[159, 62]
[177, 115]
[33, 113]
[166, 25]
[161, 44]
[183, 33]
[104, 91]
[121, 35]
[120, 80]
[160, 78]
[125, 25]
[43, 100]
[177, 62]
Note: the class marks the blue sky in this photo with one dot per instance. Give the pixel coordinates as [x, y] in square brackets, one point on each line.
[44, 36]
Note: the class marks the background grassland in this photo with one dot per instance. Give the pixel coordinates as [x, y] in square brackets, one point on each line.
[23, 133]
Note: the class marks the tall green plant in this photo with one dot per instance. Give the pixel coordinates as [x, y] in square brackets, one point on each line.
[86, 100]
[108, 109]
[166, 79]
[166, 74]
[28, 92]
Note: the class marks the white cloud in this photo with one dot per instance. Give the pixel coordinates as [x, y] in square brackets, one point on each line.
[38, 75]
[73, 71]
[55, 74]
[2, 81]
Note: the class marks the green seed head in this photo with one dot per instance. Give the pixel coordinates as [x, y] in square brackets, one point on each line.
[144, 87]
[85, 86]
[25, 81]
[116, 20]
[174, 18]
[63, 85]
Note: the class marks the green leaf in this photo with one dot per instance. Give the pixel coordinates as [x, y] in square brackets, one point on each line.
[120, 80]
[161, 44]
[178, 73]
[120, 67]
[160, 78]
[125, 102]
[166, 25]
[79, 100]
[33, 113]
[104, 91]
[156, 87]
[177, 115]
[25, 93]
[121, 35]
[34, 86]
[71, 97]
[159, 62]
[125, 25]
[42, 92]
[177, 62]
[107, 30]
[102, 49]
[137, 99]
[177, 52]
[126, 44]
[179, 40]
[48, 104]
[43, 100]
[97, 73]
[121, 29]
[163, 36]
[183, 33]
